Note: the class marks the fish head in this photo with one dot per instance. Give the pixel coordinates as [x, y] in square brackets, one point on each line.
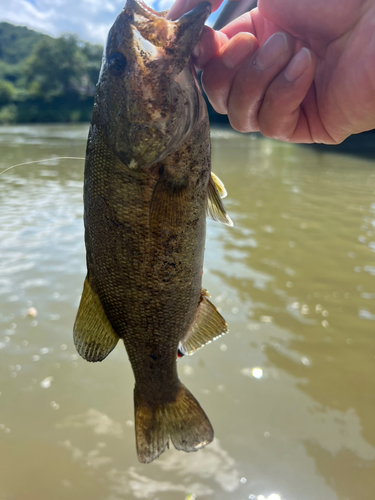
[148, 100]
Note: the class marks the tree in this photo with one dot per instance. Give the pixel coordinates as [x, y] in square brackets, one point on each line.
[17, 42]
[7, 92]
[93, 54]
[55, 67]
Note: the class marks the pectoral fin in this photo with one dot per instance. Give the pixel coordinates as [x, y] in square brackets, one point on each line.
[208, 326]
[94, 336]
[168, 203]
[215, 207]
[219, 185]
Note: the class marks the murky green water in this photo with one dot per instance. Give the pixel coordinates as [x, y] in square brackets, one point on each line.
[290, 391]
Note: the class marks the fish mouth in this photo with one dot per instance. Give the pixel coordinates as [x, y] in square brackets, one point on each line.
[148, 9]
[190, 23]
[152, 104]
[142, 8]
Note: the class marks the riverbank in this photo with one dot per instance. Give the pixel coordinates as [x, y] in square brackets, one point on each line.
[70, 108]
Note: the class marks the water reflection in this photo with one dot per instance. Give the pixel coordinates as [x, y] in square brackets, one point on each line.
[289, 390]
[94, 419]
[213, 465]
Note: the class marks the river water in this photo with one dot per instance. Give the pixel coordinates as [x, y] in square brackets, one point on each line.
[290, 390]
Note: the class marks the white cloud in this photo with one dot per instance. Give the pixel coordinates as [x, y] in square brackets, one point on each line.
[24, 13]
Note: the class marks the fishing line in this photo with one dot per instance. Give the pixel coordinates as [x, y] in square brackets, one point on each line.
[40, 161]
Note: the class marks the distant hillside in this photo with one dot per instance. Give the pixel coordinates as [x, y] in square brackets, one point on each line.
[44, 78]
[17, 42]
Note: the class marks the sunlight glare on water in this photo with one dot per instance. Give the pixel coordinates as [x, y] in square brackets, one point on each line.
[289, 391]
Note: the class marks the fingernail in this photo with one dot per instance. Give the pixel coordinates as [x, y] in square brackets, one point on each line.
[298, 65]
[237, 50]
[270, 52]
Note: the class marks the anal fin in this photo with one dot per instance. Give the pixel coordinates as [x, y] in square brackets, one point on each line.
[215, 208]
[208, 326]
[94, 336]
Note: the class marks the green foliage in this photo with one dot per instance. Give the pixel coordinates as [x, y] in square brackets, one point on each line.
[17, 42]
[93, 54]
[54, 68]
[13, 73]
[8, 114]
[44, 78]
[7, 92]
[65, 108]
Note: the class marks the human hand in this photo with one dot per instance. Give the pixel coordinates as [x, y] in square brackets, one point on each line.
[329, 46]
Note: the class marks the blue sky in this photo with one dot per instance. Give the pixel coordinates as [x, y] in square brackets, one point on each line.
[90, 19]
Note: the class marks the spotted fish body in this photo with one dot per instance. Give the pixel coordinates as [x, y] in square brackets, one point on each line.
[147, 190]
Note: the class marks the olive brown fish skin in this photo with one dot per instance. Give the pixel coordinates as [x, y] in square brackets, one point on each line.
[147, 180]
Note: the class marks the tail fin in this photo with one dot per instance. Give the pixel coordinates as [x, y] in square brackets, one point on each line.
[182, 420]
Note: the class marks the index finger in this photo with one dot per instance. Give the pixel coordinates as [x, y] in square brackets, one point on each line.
[180, 7]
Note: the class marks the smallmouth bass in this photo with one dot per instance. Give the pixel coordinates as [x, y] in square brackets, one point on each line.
[147, 190]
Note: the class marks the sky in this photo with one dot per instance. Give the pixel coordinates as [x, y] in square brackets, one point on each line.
[90, 19]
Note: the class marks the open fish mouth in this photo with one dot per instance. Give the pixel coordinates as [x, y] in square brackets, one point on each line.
[147, 85]
[152, 11]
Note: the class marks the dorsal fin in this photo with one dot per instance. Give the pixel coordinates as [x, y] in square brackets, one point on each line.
[208, 326]
[94, 336]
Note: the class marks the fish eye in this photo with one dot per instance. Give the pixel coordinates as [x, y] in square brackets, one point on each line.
[116, 64]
